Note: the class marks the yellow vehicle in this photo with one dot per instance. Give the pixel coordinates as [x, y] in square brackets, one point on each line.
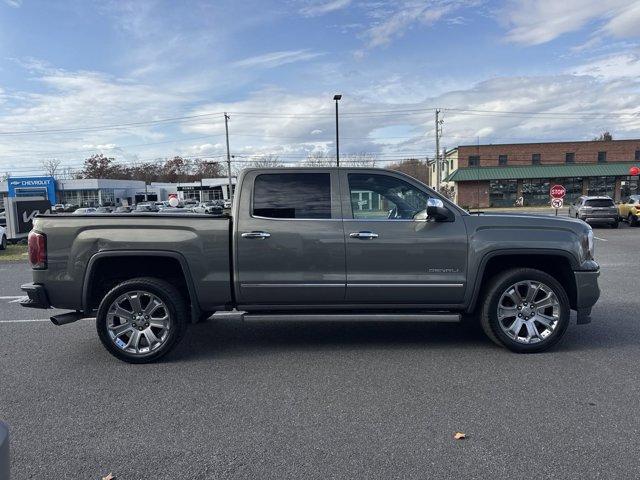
[630, 210]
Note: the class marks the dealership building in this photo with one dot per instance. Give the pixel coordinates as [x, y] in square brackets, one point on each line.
[207, 189]
[87, 192]
[498, 175]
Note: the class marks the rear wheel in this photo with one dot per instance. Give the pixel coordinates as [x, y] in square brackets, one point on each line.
[615, 224]
[141, 320]
[3, 242]
[525, 310]
[633, 221]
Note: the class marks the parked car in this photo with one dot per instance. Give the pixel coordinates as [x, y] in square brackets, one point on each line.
[176, 210]
[104, 210]
[3, 238]
[84, 211]
[630, 210]
[227, 204]
[58, 208]
[595, 210]
[211, 207]
[122, 209]
[146, 207]
[332, 244]
[3, 220]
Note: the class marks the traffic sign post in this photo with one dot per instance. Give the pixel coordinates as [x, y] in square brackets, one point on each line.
[557, 193]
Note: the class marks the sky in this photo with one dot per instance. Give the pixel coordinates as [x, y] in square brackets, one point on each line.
[141, 80]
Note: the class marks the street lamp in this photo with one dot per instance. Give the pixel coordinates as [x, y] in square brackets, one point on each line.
[336, 98]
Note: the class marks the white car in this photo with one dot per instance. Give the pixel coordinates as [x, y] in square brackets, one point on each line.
[83, 211]
[3, 238]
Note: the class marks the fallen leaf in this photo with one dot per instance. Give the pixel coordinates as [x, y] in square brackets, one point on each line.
[459, 436]
[109, 477]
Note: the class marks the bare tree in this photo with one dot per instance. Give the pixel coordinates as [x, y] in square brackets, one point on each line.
[265, 161]
[319, 159]
[50, 166]
[363, 159]
[604, 137]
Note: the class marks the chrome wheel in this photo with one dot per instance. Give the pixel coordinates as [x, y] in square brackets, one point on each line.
[138, 322]
[528, 312]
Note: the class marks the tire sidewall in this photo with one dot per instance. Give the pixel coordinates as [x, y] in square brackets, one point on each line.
[499, 288]
[3, 243]
[157, 287]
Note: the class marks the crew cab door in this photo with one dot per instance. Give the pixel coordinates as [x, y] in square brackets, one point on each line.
[289, 241]
[393, 257]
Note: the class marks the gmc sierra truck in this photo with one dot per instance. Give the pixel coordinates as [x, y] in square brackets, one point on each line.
[304, 244]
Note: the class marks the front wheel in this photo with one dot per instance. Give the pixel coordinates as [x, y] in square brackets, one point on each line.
[525, 310]
[3, 242]
[141, 320]
[633, 221]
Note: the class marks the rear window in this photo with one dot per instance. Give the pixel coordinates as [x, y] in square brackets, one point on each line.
[600, 202]
[292, 195]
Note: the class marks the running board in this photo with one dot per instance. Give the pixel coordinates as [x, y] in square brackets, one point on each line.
[342, 317]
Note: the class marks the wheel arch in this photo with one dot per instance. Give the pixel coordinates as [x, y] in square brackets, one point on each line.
[102, 274]
[557, 263]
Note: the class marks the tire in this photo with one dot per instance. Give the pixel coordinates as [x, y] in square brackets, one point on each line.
[556, 315]
[162, 316]
[633, 221]
[615, 224]
[3, 243]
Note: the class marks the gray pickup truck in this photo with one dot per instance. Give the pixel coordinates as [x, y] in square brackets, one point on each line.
[310, 244]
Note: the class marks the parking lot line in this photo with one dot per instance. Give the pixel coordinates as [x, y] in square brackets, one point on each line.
[31, 320]
[598, 238]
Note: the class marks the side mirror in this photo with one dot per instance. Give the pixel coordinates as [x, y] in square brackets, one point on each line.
[437, 211]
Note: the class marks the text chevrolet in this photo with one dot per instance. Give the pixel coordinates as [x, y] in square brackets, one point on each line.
[315, 244]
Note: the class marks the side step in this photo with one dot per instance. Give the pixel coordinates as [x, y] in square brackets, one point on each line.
[341, 317]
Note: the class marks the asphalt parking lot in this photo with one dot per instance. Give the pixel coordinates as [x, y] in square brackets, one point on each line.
[295, 400]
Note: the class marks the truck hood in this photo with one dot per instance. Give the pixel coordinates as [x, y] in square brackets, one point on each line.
[519, 221]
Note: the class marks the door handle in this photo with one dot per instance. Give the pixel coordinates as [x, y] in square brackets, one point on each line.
[364, 235]
[260, 235]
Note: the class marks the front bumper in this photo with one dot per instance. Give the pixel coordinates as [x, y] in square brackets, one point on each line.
[587, 293]
[37, 296]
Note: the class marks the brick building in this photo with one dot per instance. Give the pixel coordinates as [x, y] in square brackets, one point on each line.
[497, 175]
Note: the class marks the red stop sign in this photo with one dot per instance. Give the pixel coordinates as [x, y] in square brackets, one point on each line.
[557, 191]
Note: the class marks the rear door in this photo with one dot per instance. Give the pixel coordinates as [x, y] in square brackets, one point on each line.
[393, 257]
[289, 239]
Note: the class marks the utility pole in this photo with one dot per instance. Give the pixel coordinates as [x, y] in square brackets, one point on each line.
[437, 186]
[226, 129]
[337, 98]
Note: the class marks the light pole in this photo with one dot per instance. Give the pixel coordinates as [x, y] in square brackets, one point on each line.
[336, 98]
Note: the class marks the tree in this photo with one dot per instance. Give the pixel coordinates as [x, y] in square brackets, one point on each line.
[359, 160]
[604, 137]
[99, 166]
[264, 161]
[418, 169]
[51, 166]
[207, 169]
[319, 159]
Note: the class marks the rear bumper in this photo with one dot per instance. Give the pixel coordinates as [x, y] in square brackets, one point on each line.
[609, 219]
[37, 296]
[587, 293]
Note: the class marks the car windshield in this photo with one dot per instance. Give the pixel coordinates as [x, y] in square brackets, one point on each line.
[599, 202]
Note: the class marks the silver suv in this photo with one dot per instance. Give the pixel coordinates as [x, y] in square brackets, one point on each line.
[595, 210]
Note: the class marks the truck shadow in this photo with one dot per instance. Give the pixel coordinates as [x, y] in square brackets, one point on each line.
[224, 338]
[229, 338]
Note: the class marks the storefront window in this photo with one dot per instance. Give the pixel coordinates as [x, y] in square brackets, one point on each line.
[573, 187]
[502, 193]
[628, 186]
[536, 191]
[602, 186]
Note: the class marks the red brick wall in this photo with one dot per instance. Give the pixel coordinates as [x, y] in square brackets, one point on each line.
[468, 194]
[550, 153]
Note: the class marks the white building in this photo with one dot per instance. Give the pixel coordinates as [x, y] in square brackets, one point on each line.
[101, 191]
[207, 189]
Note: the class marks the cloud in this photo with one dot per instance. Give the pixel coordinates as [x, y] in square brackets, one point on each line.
[324, 7]
[14, 3]
[533, 22]
[395, 18]
[276, 59]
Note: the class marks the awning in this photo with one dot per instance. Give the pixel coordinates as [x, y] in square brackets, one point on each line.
[470, 174]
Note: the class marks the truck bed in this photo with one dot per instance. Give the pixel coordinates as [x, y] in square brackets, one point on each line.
[201, 243]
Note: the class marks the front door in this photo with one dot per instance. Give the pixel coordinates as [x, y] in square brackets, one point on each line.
[393, 254]
[289, 239]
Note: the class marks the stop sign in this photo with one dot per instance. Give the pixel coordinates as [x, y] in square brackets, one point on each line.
[557, 191]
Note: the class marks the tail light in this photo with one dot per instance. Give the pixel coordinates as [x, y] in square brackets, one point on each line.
[37, 250]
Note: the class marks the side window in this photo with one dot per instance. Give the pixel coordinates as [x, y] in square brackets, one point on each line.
[383, 197]
[292, 195]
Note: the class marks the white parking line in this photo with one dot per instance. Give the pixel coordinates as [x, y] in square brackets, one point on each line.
[12, 297]
[26, 321]
[598, 238]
